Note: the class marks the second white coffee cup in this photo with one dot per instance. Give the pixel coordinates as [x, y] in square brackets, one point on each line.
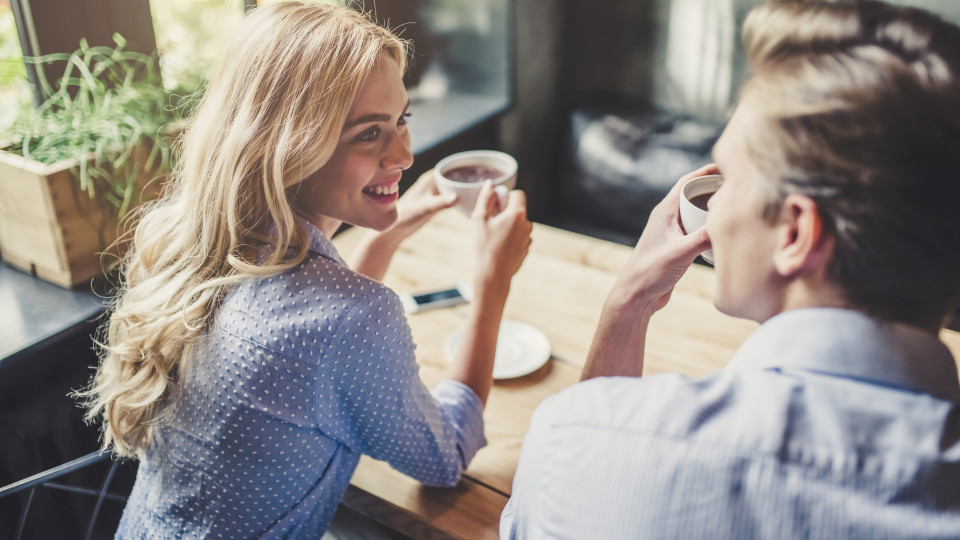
[692, 216]
[463, 173]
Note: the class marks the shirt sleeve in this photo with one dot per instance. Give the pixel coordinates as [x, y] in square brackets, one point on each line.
[521, 517]
[371, 397]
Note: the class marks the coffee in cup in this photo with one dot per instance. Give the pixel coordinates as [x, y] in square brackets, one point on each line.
[693, 204]
[464, 173]
[473, 173]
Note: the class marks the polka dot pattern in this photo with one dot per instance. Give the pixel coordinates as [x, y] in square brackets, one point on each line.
[300, 375]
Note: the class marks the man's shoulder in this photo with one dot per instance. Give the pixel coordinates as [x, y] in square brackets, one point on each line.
[650, 403]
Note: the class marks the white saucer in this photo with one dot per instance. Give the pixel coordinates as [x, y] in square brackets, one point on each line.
[521, 349]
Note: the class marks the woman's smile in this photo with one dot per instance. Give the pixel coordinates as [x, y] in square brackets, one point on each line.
[384, 193]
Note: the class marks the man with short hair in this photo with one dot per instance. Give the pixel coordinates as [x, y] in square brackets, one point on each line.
[837, 229]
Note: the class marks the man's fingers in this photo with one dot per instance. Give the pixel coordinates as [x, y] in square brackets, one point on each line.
[671, 201]
[696, 242]
[710, 168]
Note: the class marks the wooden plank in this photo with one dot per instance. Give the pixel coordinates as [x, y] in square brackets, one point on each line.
[467, 511]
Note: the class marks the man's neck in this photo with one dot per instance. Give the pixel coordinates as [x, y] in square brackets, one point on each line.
[800, 294]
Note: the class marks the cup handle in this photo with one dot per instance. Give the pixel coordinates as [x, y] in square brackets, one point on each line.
[503, 193]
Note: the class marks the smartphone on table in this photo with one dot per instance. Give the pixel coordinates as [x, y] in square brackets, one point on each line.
[440, 298]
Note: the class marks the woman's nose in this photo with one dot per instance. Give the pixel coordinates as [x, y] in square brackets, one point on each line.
[398, 154]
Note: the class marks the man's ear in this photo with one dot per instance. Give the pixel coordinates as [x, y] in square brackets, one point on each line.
[802, 246]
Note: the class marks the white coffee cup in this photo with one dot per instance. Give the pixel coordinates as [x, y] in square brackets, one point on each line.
[468, 191]
[692, 217]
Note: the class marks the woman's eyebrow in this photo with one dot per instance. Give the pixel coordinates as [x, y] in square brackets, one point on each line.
[372, 117]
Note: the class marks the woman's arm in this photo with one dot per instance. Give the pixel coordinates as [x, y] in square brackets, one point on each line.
[376, 248]
[371, 398]
[502, 241]
[378, 403]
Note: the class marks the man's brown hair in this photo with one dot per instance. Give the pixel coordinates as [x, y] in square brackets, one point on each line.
[859, 109]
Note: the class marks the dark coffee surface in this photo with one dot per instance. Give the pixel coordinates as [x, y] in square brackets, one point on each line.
[473, 173]
[700, 201]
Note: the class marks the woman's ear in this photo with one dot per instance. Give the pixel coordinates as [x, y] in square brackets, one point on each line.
[802, 246]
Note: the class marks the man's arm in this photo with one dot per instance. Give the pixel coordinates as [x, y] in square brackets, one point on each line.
[659, 260]
[618, 344]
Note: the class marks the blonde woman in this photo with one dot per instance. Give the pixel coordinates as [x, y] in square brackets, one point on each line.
[245, 364]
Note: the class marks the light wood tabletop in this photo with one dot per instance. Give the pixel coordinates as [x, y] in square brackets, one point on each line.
[560, 290]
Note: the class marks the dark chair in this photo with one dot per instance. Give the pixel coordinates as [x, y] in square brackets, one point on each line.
[50, 479]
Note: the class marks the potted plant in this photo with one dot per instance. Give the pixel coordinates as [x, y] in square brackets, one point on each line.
[74, 167]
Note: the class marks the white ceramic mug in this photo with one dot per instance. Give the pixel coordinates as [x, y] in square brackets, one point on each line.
[467, 192]
[691, 216]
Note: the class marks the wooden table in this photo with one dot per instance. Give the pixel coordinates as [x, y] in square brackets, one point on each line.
[560, 289]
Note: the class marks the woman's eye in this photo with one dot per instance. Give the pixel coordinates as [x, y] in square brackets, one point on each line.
[403, 118]
[369, 135]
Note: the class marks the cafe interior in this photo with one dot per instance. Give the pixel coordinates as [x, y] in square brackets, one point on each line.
[604, 105]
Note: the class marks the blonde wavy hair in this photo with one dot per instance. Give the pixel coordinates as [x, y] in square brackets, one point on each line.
[271, 116]
[857, 106]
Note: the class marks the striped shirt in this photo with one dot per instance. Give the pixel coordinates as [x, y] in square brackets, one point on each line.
[825, 424]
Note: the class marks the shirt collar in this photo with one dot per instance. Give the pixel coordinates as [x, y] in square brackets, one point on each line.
[320, 244]
[848, 343]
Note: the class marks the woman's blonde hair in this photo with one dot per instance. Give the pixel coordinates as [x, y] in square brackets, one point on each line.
[271, 116]
[857, 106]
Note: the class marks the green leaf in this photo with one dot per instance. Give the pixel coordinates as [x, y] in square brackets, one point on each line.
[107, 102]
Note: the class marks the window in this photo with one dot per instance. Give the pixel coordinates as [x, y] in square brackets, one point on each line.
[15, 92]
[191, 36]
[460, 73]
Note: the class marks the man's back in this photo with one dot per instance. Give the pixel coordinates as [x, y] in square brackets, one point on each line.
[826, 424]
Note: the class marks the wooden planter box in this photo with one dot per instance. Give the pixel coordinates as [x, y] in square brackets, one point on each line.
[49, 227]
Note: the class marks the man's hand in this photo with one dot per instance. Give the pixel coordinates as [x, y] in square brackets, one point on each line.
[659, 260]
[663, 253]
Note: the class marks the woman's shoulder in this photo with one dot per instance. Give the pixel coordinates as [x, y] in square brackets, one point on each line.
[306, 304]
[325, 280]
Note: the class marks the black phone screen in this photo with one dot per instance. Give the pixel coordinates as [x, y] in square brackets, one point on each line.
[436, 296]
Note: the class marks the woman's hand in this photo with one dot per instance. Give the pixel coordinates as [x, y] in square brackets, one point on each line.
[421, 202]
[502, 239]
[502, 236]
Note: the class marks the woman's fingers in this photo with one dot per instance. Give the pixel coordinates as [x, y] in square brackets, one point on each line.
[487, 203]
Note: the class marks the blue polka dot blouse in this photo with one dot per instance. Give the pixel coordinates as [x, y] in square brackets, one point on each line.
[300, 374]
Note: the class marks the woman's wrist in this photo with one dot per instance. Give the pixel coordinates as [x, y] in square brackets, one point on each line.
[491, 289]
